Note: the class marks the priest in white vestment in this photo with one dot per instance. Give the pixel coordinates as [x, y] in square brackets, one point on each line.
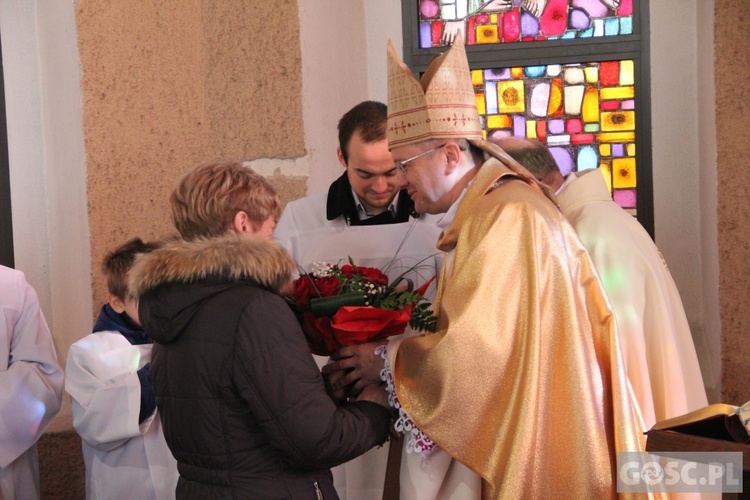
[657, 345]
[31, 384]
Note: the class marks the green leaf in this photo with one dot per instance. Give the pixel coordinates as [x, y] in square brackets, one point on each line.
[423, 318]
[327, 306]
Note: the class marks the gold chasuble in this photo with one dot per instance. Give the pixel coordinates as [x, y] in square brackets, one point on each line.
[524, 381]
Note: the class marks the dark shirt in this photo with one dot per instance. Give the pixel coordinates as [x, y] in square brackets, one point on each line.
[341, 202]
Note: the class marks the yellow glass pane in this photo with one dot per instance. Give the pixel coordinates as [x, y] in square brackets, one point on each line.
[630, 149]
[615, 137]
[554, 109]
[605, 150]
[606, 169]
[591, 105]
[614, 121]
[516, 73]
[623, 173]
[480, 104]
[493, 18]
[608, 93]
[510, 97]
[487, 34]
[531, 129]
[477, 77]
[592, 74]
[498, 121]
[627, 73]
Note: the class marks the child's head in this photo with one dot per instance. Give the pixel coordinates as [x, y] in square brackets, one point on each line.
[214, 198]
[116, 267]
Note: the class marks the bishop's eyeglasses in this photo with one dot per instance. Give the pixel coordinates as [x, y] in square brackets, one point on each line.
[401, 165]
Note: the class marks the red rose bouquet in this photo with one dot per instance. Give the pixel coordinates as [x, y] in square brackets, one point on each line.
[348, 305]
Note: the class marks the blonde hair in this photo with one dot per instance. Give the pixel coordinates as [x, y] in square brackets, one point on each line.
[206, 200]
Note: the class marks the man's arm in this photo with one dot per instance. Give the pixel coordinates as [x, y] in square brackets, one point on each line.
[283, 388]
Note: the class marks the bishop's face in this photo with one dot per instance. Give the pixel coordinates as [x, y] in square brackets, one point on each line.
[427, 181]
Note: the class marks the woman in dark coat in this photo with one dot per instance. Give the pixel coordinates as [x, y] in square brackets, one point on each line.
[243, 404]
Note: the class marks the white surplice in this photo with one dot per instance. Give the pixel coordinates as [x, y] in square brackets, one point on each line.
[124, 459]
[657, 345]
[31, 384]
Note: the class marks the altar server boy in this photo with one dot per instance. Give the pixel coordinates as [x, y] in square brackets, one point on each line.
[113, 405]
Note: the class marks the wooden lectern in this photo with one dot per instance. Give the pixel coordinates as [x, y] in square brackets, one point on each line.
[664, 441]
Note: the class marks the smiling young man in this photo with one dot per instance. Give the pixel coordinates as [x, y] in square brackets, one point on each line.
[365, 215]
[368, 217]
[370, 181]
[369, 190]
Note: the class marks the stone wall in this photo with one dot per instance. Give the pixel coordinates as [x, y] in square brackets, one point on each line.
[170, 84]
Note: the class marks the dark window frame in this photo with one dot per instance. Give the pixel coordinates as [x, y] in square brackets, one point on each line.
[7, 257]
[635, 46]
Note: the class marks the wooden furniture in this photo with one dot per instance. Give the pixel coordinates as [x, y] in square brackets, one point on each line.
[665, 441]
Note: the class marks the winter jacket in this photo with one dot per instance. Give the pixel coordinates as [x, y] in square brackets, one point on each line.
[244, 407]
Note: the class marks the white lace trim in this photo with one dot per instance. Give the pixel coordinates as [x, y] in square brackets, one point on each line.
[417, 441]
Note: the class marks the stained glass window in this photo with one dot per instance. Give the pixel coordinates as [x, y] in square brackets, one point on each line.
[584, 112]
[505, 21]
[571, 73]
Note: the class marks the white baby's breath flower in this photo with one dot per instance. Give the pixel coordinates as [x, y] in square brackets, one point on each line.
[320, 269]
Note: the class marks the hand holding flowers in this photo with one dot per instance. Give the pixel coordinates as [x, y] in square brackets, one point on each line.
[352, 368]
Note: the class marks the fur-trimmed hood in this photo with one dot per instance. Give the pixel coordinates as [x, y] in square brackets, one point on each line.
[174, 282]
[257, 259]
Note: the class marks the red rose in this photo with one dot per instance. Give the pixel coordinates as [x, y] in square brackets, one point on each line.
[326, 287]
[305, 288]
[371, 274]
[350, 271]
[302, 288]
[374, 276]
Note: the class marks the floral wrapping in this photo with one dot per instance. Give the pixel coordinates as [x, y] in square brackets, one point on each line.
[340, 306]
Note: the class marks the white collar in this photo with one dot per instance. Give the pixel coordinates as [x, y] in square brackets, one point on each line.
[364, 215]
[568, 179]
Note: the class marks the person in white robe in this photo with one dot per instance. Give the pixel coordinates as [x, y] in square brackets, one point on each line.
[113, 404]
[31, 384]
[660, 357]
[364, 216]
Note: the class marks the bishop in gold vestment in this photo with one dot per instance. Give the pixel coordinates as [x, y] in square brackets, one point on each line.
[524, 382]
